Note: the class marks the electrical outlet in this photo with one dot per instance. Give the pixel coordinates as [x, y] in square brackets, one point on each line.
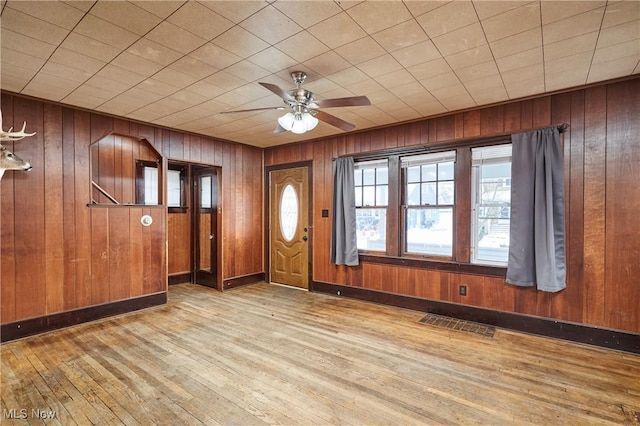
[463, 290]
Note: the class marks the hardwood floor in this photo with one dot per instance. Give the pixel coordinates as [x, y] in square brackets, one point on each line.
[266, 354]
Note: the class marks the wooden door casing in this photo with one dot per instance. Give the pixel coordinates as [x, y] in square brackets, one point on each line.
[205, 232]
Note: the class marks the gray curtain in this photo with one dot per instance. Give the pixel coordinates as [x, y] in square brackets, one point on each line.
[536, 245]
[344, 244]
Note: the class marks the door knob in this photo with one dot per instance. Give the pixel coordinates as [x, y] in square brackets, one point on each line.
[211, 237]
[305, 238]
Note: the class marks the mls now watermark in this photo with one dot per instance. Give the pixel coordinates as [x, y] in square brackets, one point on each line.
[23, 413]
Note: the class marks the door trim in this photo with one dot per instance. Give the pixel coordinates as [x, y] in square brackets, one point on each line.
[190, 275]
[194, 167]
[267, 216]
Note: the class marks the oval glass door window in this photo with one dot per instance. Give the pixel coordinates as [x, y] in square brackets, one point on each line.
[289, 212]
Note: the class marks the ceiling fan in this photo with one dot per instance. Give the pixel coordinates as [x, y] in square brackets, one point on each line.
[304, 113]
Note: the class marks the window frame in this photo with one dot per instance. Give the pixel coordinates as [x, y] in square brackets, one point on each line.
[431, 158]
[211, 208]
[460, 261]
[476, 203]
[140, 195]
[368, 165]
[183, 187]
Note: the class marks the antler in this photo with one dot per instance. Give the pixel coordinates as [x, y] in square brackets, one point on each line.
[13, 136]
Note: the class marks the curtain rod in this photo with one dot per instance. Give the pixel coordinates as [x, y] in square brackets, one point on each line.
[561, 128]
[490, 140]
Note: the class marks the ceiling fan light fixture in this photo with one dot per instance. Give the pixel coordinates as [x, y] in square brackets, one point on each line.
[286, 121]
[299, 126]
[304, 113]
[309, 120]
[298, 122]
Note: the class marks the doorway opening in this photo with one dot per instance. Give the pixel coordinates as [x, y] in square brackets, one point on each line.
[194, 224]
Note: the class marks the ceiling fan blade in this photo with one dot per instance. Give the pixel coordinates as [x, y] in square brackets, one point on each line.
[278, 91]
[252, 109]
[334, 121]
[279, 129]
[342, 102]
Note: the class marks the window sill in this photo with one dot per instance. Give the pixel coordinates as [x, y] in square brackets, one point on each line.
[177, 209]
[438, 265]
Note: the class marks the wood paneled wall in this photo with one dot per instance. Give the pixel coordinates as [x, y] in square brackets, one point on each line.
[179, 243]
[242, 200]
[58, 254]
[602, 153]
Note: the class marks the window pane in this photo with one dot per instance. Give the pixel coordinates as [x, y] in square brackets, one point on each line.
[492, 186]
[368, 196]
[493, 240]
[382, 176]
[205, 192]
[357, 177]
[429, 231]
[289, 212]
[413, 174]
[368, 176]
[413, 194]
[150, 186]
[445, 192]
[371, 225]
[358, 191]
[493, 212]
[429, 194]
[445, 171]
[491, 193]
[382, 195]
[174, 189]
[494, 171]
[429, 172]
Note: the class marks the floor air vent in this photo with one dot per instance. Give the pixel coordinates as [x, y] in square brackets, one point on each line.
[458, 324]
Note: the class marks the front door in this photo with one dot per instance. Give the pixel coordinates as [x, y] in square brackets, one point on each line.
[289, 226]
[205, 197]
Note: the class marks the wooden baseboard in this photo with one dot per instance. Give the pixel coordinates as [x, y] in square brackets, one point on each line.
[579, 333]
[179, 278]
[32, 326]
[235, 282]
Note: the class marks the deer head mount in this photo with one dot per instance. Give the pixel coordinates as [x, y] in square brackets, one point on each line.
[8, 160]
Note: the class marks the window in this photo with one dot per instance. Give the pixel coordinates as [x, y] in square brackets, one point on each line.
[205, 192]
[428, 201]
[147, 183]
[372, 198]
[176, 188]
[491, 204]
[289, 212]
[450, 206]
[151, 186]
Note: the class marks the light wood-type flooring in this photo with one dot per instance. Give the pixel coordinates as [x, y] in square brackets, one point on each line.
[266, 354]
